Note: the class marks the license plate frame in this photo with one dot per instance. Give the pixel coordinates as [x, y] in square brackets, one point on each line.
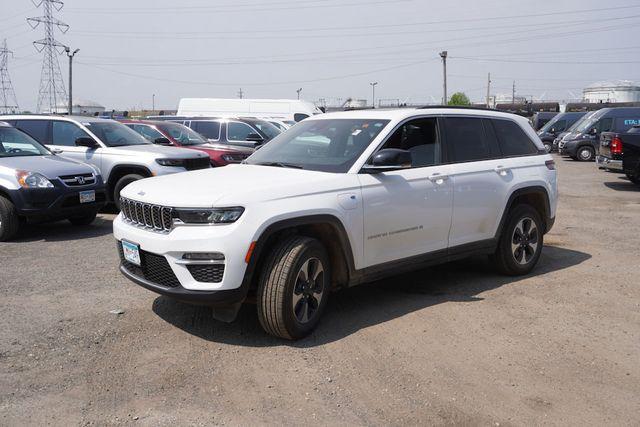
[131, 252]
[88, 196]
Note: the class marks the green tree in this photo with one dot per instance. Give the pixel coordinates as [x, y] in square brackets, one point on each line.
[459, 98]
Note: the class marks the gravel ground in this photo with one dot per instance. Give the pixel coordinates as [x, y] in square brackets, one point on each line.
[456, 344]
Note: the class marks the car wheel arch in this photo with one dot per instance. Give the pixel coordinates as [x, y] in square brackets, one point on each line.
[537, 196]
[121, 170]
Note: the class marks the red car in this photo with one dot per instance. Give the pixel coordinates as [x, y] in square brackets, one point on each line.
[177, 135]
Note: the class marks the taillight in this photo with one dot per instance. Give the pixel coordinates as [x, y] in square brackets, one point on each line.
[550, 164]
[616, 145]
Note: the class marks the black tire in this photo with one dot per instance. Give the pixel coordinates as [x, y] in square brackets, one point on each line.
[585, 153]
[518, 255]
[547, 146]
[280, 285]
[633, 178]
[84, 219]
[9, 220]
[123, 182]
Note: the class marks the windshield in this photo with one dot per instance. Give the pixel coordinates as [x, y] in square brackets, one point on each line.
[587, 122]
[320, 145]
[267, 128]
[14, 143]
[114, 134]
[547, 127]
[182, 134]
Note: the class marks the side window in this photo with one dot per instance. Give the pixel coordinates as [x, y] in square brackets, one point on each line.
[560, 125]
[148, 132]
[467, 140]
[605, 125]
[237, 131]
[298, 117]
[421, 138]
[512, 139]
[66, 133]
[210, 130]
[36, 129]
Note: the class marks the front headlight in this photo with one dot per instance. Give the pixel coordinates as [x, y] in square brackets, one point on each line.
[233, 158]
[209, 216]
[28, 179]
[170, 162]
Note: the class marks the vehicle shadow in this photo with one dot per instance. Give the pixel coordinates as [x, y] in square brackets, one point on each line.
[623, 185]
[353, 309]
[62, 231]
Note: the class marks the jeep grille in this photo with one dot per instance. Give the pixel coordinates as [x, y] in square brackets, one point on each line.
[158, 218]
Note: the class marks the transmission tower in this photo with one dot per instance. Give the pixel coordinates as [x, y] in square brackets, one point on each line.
[52, 92]
[8, 101]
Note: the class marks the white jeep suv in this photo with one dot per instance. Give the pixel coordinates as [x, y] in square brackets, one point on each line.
[338, 200]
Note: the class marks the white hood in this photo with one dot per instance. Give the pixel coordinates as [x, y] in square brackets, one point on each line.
[234, 185]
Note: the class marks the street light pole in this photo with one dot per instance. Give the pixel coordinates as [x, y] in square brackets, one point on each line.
[373, 93]
[443, 55]
[70, 54]
[298, 91]
[153, 102]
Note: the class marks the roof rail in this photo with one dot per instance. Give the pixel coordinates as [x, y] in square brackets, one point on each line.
[458, 107]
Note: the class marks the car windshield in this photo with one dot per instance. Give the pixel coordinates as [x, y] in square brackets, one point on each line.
[547, 127]
[331, 145]
[587, 122]
[14, 143]
[267, 128]
[182, 134]
[114, 134]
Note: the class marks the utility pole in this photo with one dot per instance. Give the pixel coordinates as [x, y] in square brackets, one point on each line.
[153, 102]
[489, 91]
[513, 93]
[443, 55]
[52, 89]
[70, 55]
[8, 101]
[240, 93]
[298, 91]
[373, 94]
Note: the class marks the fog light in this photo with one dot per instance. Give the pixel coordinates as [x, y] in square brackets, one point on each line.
[203, 256]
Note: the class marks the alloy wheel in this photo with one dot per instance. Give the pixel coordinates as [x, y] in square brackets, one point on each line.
[308, 290]
[525, 240]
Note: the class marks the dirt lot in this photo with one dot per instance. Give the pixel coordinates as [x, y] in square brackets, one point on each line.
[456, 344]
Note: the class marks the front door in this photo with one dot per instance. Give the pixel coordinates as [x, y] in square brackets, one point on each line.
[63, 138]
[408, 212]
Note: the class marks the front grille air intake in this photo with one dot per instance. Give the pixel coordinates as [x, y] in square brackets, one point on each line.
[154, 217]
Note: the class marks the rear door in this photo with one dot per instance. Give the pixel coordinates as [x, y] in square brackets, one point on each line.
[481, 178]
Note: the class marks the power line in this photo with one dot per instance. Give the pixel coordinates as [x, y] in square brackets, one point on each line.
[52, 90]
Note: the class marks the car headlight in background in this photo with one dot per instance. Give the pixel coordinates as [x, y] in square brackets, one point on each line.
[233, 158]
[28, 179]
[170, 162]
[209, 216]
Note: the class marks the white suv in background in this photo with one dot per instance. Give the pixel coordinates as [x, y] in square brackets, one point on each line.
[338, 200]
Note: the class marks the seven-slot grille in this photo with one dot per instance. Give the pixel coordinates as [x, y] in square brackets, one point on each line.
[79, 179]
[158, 218]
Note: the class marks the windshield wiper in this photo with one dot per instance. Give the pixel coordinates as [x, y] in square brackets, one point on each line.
[279, 165]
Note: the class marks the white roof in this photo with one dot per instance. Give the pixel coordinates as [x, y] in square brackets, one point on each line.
[403, 113]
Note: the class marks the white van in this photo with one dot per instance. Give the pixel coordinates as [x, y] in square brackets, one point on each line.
[282, 109]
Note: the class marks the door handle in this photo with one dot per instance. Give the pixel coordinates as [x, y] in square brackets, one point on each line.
[438, 178]
[502, 171]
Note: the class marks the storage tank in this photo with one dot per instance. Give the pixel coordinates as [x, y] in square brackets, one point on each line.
[612, 91]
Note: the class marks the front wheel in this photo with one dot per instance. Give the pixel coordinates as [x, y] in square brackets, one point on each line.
[294, 287]
[633, 178]
[586, 153]
[123, 182]
[547, 146]
[520, 243]
[9, 220]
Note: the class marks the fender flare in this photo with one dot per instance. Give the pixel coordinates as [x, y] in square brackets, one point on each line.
[535, 189]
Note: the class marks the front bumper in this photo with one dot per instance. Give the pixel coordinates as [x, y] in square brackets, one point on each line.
[607, 163]
[56, 203]
[165, 271]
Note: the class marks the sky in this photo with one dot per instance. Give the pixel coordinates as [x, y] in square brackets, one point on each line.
[332, 49]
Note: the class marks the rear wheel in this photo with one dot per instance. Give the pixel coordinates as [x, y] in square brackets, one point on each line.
[83, 219]
[520, 243]
[9, 220]
[121, 183]
[586, 153]
[294, 287]
[633, 178]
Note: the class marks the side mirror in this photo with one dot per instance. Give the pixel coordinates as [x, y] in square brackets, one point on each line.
[593, 131]
[85, 141]
[552, 130]
[162, 141]
[255, 137]
[389, 159]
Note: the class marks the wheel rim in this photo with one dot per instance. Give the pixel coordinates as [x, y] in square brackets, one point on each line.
[547, 147]
[308, 290]
[525, 241]
[585, 154]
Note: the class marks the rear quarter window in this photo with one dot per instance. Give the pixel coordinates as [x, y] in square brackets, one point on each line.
[512, 139]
